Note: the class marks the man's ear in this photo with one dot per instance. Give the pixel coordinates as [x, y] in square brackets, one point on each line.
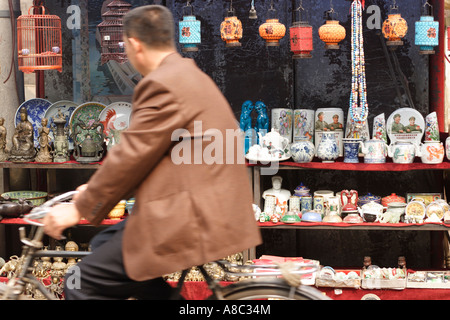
[136, 43]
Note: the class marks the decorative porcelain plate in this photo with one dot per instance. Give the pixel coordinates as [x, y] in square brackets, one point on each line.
[88, 112]
[67, 108]
[415, 209]
[36, 109]
[115, 118]
[405, 124]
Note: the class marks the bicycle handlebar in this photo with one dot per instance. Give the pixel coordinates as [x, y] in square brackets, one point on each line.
[41, 211]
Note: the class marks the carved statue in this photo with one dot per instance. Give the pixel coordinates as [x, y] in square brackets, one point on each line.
[60, 134]
[23, 140]
[44, 154]
[88, 141]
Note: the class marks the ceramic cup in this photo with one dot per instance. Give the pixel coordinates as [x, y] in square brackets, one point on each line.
[294, 203]
[282, 121]
[306, 203]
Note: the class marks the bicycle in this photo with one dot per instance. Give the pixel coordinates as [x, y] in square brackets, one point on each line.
[262, 281]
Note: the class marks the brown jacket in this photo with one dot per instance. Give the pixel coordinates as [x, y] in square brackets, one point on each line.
[186, 213]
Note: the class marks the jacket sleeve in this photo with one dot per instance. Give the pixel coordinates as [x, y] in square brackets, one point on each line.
[156, 114]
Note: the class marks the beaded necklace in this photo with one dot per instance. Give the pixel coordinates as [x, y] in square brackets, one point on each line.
[358, 68]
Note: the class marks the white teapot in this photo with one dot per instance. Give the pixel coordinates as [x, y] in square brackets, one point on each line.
[431, 152]
[374, 150]
[275, 142]
[371, 211]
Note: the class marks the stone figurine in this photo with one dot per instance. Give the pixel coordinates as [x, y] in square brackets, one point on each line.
[88, 141]
[23, 140]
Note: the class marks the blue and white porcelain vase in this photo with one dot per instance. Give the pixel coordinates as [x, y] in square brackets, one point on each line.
[351, 150]
[427, 34]
[302, 151]
[328, 150]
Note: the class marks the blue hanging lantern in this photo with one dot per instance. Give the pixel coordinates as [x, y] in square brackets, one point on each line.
[189, 29]
[427, 31]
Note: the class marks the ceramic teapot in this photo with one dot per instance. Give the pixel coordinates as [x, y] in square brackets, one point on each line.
[431, 152]
[402, 151]
[371, 211]
[274, 142]
[374, 150]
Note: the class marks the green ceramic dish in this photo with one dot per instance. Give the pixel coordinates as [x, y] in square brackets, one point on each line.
[35, 197]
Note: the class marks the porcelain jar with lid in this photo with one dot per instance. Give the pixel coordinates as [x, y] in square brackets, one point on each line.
[431, 152]
[368, 198]
[301, 191]
[402, 151]
[374, 150]
[391, 198]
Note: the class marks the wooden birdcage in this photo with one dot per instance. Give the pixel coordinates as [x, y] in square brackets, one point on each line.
[111, 32]
[39, 41]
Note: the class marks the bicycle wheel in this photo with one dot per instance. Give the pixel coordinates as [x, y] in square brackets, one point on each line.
[276, 289]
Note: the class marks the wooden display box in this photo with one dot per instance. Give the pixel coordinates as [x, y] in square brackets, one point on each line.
[442, 280]
[377, 283]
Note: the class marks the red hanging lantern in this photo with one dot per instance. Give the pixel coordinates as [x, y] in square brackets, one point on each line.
[301, 37]
[39, 41]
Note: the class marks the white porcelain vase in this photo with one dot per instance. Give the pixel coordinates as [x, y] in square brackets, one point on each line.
[328, 150]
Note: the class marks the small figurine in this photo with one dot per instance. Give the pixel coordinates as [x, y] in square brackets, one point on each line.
[23, 140]
[282, 195]
[60, 134]
[262, 120]
[401, 262]
[367, 262]
[44, 154]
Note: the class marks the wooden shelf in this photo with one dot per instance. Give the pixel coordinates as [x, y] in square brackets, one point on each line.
[361, 166]
[52, 165]
[20, 221]
[366, 226]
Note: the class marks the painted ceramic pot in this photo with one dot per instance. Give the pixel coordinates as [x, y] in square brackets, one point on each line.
[302, 191]
[327, 149]
[374, 150]
[431, 152]
[282, 121]
[303, 125]
[302, 151]
[368, 198]
[402, 152]
[351, 150]
[392, 198]
[329, 120]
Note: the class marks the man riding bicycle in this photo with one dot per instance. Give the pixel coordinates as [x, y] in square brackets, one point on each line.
[189, 210]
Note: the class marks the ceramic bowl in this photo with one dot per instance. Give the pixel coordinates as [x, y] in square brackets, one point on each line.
[35, 197]
[370, 217]
[312, 216]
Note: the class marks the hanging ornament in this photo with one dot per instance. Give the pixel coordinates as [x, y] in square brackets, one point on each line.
[189, 30]
[231, 28]
[301, 36]
[427, 31]
[272, 30]
[358, 106]
[252, 13]
[331, 32]
[39, 41]
[394, 28]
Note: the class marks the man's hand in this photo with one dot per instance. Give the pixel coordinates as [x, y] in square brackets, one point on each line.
[60, 217]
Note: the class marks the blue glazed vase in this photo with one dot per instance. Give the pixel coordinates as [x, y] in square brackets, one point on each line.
[427, 34]
[351, 150]
[190, 34]
[302, 151]
[328, 150]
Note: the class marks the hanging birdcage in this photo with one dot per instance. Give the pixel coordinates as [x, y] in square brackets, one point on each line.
[39, 41]
[111, 32]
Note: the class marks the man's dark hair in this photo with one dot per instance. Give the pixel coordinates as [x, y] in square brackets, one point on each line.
[152, 24]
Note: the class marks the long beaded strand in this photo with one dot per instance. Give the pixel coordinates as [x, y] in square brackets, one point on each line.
[358, 68]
